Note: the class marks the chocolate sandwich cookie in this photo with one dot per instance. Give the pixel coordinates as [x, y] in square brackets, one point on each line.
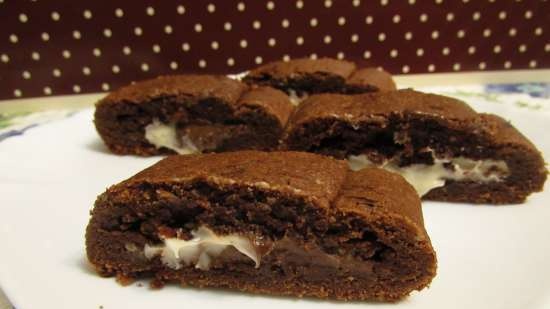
[446, 150]
[191, 113]
[282, 223]
[302, 77]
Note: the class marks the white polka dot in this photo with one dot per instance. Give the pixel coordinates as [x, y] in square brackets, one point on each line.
[476, 15]
[507, 64]
[243, 43]
[381, 36]
[538, 31]
[299, 4]
[512, 32]
[327, 39]
[533, 64]
[227, 26]
[420, 52]
[13, 38]
[230, 62]
[522, 48]
[394, 53]
[366, 54]
[435, 34]
[66, 54]
[270, 5]
[173, 65]
[496, 49]
[198, 28]
[119, 12]
[55, 16]
[456, 66]
[35, 56]
[105, 87]
[26, 75]
[107, 32]
[431, 68]
[411, 2]
[471, 50]
[547, 48]
[144, 67]
[405, 69]
[23, 18]
[446, 51]
[502, 15]
[313, 56]
[328, 3]
[76, 89]
[356, 3]
[202, 63]
[341, 20]
[299, 40]
[214, 45]
[180, 9]
[211, 8]
[482, 65]
[271, 42]
[156, 48]
[150, 11]
[45, 36]
[258, 60]
[87, 14]
[313, 22]
[86, 71]
[4, 58]
[185, 46]
[424, 17]
[396, 19]
[528, 14]
[115, 69]
[96, 52]
[384, 2]
[77, 35]
[340, 55]
[408, 35]
[285, 23]
[168, 29]
[460, 33]
[369, 20]
[47, 90]
[17, 93]
[241, 7]
[450, 16]
[256, 24]
[286, 58]
[126, 50]
[138, 31]
[354, 38]
[487, 32]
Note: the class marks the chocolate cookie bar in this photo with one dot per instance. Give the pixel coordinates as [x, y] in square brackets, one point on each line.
[282, 223]
[191, 113]
[302, 77]
[446, 150]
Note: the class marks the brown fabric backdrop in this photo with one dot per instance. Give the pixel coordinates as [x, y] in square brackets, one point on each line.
[65, 46]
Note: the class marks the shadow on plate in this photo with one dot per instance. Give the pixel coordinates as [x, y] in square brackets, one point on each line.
[98, 146]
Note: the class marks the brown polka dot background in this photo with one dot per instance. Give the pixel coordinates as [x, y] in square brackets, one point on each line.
[52, 47]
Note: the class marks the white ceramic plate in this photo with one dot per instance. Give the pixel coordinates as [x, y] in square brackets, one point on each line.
[489, 257]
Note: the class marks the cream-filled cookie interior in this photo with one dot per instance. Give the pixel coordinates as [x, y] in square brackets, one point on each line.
[425, 177]
[200, 250]
[165, 135]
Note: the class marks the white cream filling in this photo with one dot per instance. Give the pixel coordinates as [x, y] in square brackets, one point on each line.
[295, 99]
[425, 177]
[164, 135]
[201, 249]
